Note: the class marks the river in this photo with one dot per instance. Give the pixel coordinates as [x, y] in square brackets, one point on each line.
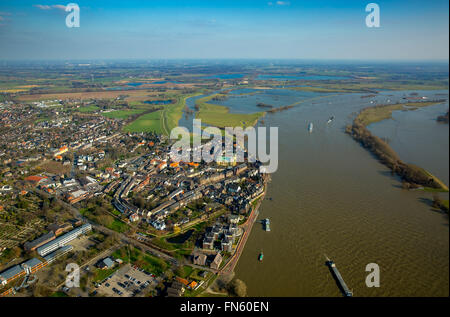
[331, 197]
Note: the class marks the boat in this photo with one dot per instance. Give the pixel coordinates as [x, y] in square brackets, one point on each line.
[330, 119]
[343, 287]
[310, 127]
[260, 257]
[266, 223]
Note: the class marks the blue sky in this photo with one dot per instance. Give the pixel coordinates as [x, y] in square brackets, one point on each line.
[160, 29]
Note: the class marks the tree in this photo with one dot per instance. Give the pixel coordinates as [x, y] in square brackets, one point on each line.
[105, 220]
[237, 288]
[139, 201]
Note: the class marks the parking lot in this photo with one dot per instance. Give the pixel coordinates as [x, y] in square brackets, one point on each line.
[128, 281]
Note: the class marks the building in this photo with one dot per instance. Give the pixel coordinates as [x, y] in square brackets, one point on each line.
[239, 169]
[159, 225]
[234, 219]
[208, 243]
[11, 274]
[35, 180]
[61, 150]
[106, 263]
[226, 160]
[33, 245]
[77, 196]
[227, 245]
[215, 264]
[134, 217]
[60, 229]
[28, 267]
[58, 253]
[175, 290]
[199, 259]
[33, 265]
[63, 240]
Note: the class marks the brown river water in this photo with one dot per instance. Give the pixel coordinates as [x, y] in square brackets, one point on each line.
[331, 197]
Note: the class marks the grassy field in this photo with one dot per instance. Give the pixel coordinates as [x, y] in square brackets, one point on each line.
[162, 121]
[146, 123]
[118, 226]
[122, 114]
[146, 261]
[100, 274]
[88, 109]
[219, 116]
[174, 112]
[185, 271]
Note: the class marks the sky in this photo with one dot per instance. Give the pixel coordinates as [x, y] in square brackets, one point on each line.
[220, 29]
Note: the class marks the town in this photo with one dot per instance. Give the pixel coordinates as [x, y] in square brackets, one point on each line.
[78, 189]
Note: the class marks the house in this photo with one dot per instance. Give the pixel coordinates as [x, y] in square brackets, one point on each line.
[35, 180]
[215, 264]
[159, 225]
[182, 280]
[234, 219]
[106, 264]
[199, 258]
[69, 182]
[77, 196]
[134, 217]
[208, 243]
[227, 245]
[61, 150]
[176, 289]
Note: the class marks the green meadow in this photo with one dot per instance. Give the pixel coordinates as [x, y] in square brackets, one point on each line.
[150, 122]
[220, 116]
[122, 114]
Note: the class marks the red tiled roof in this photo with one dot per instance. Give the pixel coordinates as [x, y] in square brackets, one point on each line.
[35, 178]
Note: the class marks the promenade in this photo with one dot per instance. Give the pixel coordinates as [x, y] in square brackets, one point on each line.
[247, 228]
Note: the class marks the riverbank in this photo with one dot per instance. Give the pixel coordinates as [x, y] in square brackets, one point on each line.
[412, 176]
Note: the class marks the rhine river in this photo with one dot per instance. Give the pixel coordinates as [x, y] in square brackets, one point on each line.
[331, 197]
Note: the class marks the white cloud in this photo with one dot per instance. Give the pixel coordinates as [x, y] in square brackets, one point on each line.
[49, 7]
[59, 6]
[42, 7]
[279, 3]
